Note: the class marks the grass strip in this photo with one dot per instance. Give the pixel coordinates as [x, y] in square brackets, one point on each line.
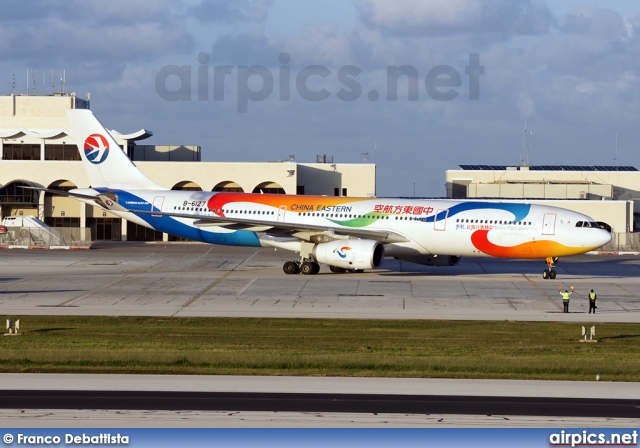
[372, 348]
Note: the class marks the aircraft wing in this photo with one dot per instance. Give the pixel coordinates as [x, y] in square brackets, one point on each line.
[302, 231]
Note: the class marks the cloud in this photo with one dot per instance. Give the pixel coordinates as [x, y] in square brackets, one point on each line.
[445, 17]
[92, 31]
[592, 20]
[120, 12]
[232, 11]
[526, 105]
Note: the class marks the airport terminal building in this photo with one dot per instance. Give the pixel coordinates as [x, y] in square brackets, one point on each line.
[606, 193]
[37, 148]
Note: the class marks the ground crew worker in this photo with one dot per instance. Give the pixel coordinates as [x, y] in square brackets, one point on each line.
[565, 298]
[592, 302]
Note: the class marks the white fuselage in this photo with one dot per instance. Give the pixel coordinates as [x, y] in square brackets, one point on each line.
[453, 227]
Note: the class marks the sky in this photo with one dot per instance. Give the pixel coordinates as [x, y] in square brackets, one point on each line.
[416, 86]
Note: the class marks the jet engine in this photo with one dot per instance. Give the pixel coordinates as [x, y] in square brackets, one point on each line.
[350, 254]
[431, 260]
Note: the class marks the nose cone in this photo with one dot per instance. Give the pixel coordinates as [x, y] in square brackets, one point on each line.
[601, 237]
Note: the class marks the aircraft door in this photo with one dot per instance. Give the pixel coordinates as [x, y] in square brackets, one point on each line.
[158, 201]
[281, 212]
[549, 224]
[440, 220]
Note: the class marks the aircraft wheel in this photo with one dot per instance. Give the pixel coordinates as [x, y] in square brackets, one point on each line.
[552, 275]
[316, 268]
[336, 269]
[309, 268]
[291, 267]
[545, 274]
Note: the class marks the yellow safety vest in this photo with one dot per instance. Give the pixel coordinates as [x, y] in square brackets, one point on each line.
[565, 295]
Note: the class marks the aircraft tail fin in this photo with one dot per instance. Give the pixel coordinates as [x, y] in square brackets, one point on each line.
[106, 163]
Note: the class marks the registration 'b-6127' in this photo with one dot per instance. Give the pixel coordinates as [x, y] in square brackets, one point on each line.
[347, 234]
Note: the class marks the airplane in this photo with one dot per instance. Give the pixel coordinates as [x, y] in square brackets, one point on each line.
[346, 233]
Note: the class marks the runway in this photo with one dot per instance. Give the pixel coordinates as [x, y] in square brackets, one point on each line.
[321, 403]
[203, 280]
[229, 401]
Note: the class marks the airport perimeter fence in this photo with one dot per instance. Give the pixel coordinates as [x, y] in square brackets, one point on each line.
[46, 237]
[623, 242]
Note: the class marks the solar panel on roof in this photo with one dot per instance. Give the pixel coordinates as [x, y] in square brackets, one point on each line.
[551, 168]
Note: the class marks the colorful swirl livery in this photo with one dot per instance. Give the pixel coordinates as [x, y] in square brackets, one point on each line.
[347, 234]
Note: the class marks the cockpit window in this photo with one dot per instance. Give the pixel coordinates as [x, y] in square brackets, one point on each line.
[588, 224]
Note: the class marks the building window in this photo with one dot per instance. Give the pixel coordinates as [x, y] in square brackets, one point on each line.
[62, 222]
[105, 229]
[61, 152]
[136, 232]
[269, 190]
[13, 194]
[20, 152]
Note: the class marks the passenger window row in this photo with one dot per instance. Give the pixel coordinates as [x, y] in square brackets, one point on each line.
[492, 221]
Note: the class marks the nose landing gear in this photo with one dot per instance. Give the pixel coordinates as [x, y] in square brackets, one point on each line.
[550, 272]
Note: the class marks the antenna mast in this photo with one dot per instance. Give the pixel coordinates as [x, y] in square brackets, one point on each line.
[525, 157]
[33, 77]
[617, 151]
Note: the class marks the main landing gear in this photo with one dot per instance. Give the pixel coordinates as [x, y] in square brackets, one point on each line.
[310, 267]
[306, 267]
[550, 272]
